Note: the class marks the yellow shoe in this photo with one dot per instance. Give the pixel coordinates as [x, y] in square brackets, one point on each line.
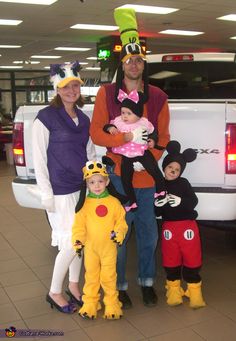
[89, 310]
[194, 292]
[174, 293]
[113, 311]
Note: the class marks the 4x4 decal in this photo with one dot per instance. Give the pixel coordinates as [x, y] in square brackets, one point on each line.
[207, 151]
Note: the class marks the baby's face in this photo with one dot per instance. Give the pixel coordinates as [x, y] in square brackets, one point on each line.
[172, 171]
[128, 116]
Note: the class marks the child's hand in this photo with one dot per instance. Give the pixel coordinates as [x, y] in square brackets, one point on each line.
[79, 247]
[117, 237]
[151, 143]
[161, 202]
[113, 131]
[174, 200]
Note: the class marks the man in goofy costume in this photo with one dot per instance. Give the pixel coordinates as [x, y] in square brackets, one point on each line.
[97, 225]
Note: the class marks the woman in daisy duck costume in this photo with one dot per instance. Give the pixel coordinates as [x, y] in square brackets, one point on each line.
[180, 243]
[97, 225]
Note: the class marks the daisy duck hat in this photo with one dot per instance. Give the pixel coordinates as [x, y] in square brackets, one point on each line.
[62, 74]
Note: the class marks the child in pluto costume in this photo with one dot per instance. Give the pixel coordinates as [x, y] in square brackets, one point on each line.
[97, 225]
[180, 245]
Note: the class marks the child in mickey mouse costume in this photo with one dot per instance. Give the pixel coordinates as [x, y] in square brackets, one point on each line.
[98, 224]
[181, 245]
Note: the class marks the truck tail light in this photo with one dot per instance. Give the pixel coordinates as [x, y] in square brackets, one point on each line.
[177, 58]
[230, 148]
[18, 144]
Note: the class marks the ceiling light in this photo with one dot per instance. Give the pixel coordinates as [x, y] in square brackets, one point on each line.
[73, 48]
[83, 63]
[9, 46]
[93, 68]
[181, 32]
[46, 67]
[45, 57]
[230, 17]
[18, 62]
[11, 67]
[94, 27]
[233, 37]
[32, 2]
[150, 9]
[10, 22]
[91, 58]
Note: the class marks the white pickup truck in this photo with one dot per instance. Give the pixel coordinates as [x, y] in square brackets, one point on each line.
[202, 99]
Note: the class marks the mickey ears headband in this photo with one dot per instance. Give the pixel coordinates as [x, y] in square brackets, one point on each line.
[173, 148]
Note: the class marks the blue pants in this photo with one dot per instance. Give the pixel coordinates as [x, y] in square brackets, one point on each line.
[146, 237]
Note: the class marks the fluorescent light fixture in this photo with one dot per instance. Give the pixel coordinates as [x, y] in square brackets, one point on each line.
[83, 63]
[26, 62]
[10, 22]
[73, 48]
[93, 68]
[164, 74]
[181, 32]
[47, 67]
[9, 46]
[233, 37]
[91, 58]
[32, 2]
[11, 67]
[230, 17]
[94, 27]
[225, 81]
[45, 57]
[150, 9]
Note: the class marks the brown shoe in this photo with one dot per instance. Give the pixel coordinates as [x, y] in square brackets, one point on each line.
[124, 299]
[149, 296]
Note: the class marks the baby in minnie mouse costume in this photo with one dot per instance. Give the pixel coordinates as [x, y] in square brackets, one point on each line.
[181, 245]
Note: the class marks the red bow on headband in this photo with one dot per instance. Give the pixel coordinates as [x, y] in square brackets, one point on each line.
[133, 96]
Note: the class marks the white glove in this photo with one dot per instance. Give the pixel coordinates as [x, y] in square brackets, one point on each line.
[140, 135]
[160, 202]
[48, 204]
[138, 167]
[174, 200]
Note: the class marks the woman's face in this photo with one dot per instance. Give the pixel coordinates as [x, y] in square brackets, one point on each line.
[70, 93]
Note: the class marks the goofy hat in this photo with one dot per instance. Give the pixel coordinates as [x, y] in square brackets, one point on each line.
[174, 155]
[125, 19]
[62, 74]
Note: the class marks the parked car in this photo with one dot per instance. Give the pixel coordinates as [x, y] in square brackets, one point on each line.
[202, 99]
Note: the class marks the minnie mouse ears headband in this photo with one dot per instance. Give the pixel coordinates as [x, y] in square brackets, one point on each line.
[174, 155]
[133, 101]
[62, 74]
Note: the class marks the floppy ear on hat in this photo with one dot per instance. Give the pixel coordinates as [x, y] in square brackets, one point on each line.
[189, 155]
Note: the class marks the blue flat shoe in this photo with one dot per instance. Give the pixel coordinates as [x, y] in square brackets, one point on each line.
[73, 299]
[67, 309]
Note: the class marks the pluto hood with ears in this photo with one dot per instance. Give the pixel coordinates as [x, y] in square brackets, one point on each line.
[174, 155]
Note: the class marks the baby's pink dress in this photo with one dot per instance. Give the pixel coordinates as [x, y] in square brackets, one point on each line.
[131, 149]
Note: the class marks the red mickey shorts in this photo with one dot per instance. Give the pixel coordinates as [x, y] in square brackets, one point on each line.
[180, 244]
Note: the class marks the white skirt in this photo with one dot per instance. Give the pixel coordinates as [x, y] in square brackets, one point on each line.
[62, 219]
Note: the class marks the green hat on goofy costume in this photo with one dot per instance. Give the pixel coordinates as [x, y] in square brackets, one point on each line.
[125, 18]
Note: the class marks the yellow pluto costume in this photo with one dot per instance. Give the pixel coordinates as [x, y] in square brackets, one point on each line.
[99, 223]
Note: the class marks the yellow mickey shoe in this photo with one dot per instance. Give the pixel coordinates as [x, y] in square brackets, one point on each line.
[194, 292]
[174, 293]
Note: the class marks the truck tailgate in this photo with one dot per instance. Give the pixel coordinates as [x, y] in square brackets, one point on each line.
[201, 126]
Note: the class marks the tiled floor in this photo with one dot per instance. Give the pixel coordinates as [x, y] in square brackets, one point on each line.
[26, 260]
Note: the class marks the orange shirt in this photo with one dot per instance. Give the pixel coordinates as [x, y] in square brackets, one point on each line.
[101, 117]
